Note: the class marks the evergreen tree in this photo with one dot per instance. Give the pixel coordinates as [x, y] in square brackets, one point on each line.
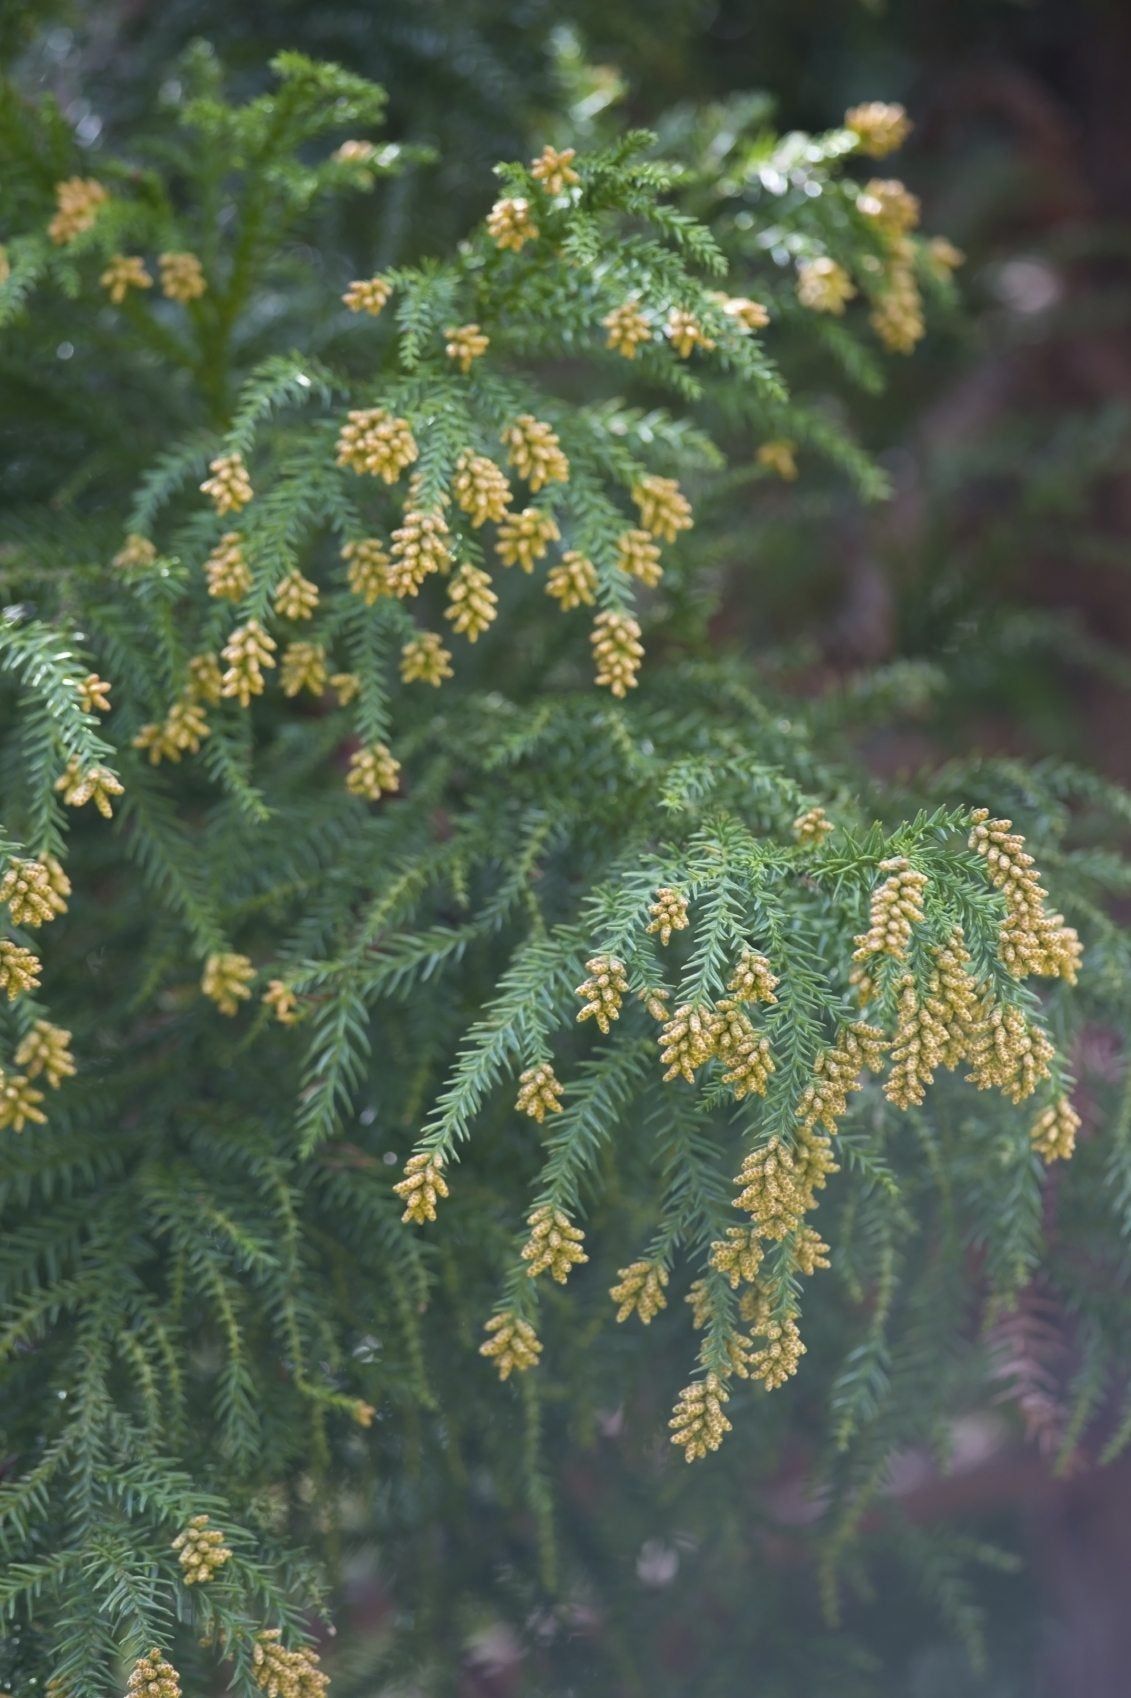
[414, 908]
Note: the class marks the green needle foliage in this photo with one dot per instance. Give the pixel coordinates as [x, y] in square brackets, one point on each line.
[454, 870]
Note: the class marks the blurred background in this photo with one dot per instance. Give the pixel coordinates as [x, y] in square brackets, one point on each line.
[1000, 564]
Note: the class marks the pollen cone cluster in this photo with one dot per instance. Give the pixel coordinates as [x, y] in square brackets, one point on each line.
[303, 668]
[890, 205]
[812, 827]
[135, 553]
[96, 784]
[539, 1092]
[46, 1050]
[535, 452]
[744, 1053]
[777, 1360]
[573, 581]
[639, 557]
[698, 1424]
[201, 1551]
[19, 1103]
[617, 651]
[425, 660]
[1031, 940]
[750, 315]
[125, 272]
[897, 312]
[1053, 1133]
[525, 536]
[226, 571]
[771, 1191]
[422, 1185]
[779, 456]
[603, 991]
[420, 548]
[472, 603]
[78, 201]
[753, 979]
[181, 732]
[664, 509]
[373, 442]
[367, 569]
[640, 1291]
[152, 1677]
[836, 1075]
[554, 1245]
[229, 487]
[917, 1049]
[512, 1344]
[687, 1041]
[34, 896]
[373, 772]
[554, 169]
[824, 286]
[481, 489]
[465, 344]
[510, 224]
[282, 1001]
[247, 651]
[879, 128]
[668, 913]
[227, 980]
[897, 906]
[19, 969]
[182, 277]
[942, 1029]
[286, 1674]
[368, 295]
[1009, 1053]
[627, 329]
[685, 333]
[738, 1256]
[296, 597]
